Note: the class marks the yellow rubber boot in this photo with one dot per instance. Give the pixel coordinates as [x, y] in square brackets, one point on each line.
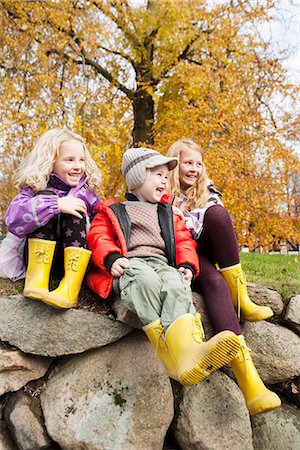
[40, 257]
[245, 308]
[258, 398]
[76, 260]
[155, 333]
[194, 358]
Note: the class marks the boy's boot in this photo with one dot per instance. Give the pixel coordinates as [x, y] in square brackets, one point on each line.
[76, 260]
[258, 398]
[196, 359]
[245, 308]
[155, 333]
[40, 257]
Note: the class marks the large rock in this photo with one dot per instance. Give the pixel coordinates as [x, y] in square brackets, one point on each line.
[213, 416]
[277, 430]
[292, 314]
[37, 328]
[117, 397]
[17, 369]
[275, 351]
[263, 296]
[24, 419]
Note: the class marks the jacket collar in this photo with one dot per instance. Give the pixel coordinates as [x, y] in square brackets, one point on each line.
[166, 198]
[131, 197]
[58, 183]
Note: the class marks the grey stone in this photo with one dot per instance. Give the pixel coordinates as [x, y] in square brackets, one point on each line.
[277, 430]
[24, 418]
[263, 296]
[213, 416]
[275, 351]
[17, 368]
[292, 314]
[37, 328]
[117, 397]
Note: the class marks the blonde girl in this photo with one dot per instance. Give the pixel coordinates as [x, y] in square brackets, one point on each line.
[224, 290]
[58, 184]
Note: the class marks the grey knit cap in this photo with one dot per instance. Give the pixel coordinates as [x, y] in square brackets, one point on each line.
[137, 160]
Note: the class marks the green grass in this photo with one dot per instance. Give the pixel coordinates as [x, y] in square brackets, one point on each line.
[279, 272]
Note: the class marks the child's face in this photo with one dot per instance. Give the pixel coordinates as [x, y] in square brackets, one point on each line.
[190, 168]
[154, 185]
[69, 166]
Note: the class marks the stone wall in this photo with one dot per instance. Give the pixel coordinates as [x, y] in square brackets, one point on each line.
[78, 379]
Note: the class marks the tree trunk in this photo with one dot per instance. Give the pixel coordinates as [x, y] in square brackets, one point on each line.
[143, 112]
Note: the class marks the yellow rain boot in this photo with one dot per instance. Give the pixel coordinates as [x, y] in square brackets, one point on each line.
[155, 333]
[245, 308]
[194, 358]
[258, 398]
[76, 262]
[40, 257]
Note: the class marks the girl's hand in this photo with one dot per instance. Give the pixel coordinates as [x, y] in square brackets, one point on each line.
[117, 269]
[72, 205]
[186, 273]
[177, 211]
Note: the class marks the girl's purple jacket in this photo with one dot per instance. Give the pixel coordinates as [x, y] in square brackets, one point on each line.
[29, 211]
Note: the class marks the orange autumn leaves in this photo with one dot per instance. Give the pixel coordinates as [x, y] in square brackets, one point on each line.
[162, 71]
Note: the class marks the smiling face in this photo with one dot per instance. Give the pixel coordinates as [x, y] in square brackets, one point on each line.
[154, 186]
[190, 168]
[69, 165]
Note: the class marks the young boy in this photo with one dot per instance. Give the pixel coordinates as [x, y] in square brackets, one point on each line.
[145, 253]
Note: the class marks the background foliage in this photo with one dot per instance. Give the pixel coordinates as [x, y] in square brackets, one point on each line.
[123, 75]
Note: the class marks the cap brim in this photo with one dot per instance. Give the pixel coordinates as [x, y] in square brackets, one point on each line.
[161, 160]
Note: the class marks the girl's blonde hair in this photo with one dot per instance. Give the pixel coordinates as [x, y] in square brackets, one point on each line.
[36, 168]
[197, 195]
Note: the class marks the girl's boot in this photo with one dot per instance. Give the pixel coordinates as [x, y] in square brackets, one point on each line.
[76, 261]
[245, 308]
[155, 333]
[195, 359]
[258, 398]
[40, 257]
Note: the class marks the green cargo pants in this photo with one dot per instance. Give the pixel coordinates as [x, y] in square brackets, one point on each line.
[153, 289]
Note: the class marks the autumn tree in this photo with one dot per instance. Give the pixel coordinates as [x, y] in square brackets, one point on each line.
[124, 75]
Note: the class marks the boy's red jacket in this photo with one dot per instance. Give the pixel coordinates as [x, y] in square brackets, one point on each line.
[106, 236]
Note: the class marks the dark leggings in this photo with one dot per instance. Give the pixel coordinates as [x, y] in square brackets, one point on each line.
[217, 244]
[65, 228]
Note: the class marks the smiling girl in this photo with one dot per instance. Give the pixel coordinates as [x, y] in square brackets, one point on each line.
[224, 290]
[58, 182]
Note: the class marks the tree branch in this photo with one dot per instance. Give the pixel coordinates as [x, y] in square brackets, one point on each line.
[100, 69]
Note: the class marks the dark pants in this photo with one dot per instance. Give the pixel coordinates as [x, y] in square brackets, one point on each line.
[65, 228]
[217, 244]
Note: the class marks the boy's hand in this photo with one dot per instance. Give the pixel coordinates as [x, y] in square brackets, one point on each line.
[186, 273]
[72, 205]
[117, 269]
[177, 211]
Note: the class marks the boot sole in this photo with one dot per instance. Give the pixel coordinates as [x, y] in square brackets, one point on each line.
[219, 355]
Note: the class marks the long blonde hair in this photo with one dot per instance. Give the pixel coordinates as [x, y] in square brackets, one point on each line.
[36, 168]
[197, 195]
